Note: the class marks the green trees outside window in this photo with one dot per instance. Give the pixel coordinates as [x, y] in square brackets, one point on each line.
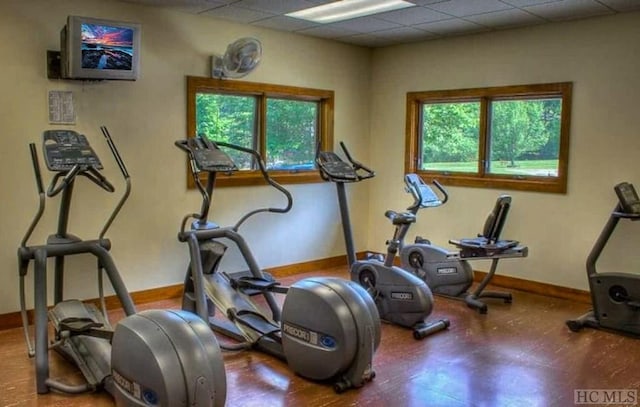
[228, 118]
[514, 137]
[450, 136]
[285, 124]
[291, 134]
[525, 137]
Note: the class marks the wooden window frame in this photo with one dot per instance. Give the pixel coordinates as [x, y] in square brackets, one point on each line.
[325, 98]
[482, 179]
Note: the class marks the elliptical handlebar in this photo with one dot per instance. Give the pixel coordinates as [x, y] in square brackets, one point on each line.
[357, 166]
[225, 164]
[41, 194]
[36, 167]
[423, 195]
[125, 175]
[55, 188]
[265, 175]
[115, 152]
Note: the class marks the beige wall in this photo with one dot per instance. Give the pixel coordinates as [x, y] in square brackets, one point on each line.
[145, 118]
[601, 57]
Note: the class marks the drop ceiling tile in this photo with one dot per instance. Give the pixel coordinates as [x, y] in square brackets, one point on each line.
[407, 34]
[327, 31]
[188, 6]
[368, 40]
[413, 15]
[526, 3]
[505, 18]
[237, 14]
[275, 6]
[365, 24]
[450, 27]
[569, 9]
[285, 23]
[622, 5]
[463, 8]
[427, 2]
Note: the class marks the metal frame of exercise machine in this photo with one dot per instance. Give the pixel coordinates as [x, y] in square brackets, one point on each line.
[327, 329]
[448, 273]
[151, 358]
[401, 298]
[615, 296]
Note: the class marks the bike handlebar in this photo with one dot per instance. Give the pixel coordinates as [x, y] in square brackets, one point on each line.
[423, 195]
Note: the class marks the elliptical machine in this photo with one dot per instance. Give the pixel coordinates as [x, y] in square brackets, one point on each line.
[328, 329]
[449, 273]
[152, 358]
[401, 298]
[615, 296]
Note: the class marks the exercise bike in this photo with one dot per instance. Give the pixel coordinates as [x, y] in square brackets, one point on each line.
[152, 358]
[328, 329]
[449, 273]
[615, 296]
[401, 298]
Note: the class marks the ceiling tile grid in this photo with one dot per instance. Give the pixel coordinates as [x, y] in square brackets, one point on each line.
[428, 19]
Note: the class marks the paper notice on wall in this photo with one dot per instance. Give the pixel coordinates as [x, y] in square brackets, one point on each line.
[61, 110]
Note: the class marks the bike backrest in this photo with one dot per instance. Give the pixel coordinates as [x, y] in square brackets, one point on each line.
[496, 219]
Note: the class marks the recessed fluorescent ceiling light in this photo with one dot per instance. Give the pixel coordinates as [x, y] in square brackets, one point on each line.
[347, 9]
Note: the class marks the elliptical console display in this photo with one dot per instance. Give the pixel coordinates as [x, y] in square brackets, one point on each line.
[64, 149]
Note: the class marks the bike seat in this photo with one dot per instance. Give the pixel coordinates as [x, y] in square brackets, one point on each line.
[403, 218]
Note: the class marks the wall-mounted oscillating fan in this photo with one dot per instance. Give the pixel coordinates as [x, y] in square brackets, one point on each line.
[242, 56]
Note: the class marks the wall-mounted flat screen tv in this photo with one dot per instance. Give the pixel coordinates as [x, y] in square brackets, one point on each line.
[93, 48]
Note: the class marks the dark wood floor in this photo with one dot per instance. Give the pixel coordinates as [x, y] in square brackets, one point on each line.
[519, 354]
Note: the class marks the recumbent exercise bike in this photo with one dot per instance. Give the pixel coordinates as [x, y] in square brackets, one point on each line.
[328, 328]
[448, 273]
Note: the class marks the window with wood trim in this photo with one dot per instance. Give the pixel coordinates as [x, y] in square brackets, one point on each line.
[511, 137]
[284, 124]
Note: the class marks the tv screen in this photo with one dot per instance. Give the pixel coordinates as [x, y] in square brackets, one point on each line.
[100, 49]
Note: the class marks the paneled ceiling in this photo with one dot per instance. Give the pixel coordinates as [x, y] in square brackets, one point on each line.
[428, 19]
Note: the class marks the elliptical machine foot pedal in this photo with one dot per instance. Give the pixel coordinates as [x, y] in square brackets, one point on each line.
[77, 317]
[266, 279]
[79, 340]
[255, 285]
